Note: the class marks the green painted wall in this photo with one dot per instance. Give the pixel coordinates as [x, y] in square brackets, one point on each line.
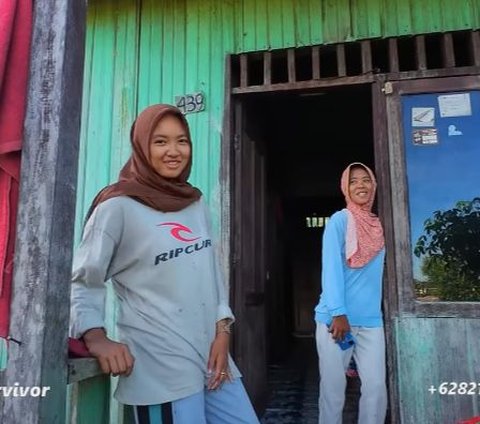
[432, 351]
[143, 52]
[139, 53]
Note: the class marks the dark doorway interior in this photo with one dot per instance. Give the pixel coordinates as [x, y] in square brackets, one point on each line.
[307, 139]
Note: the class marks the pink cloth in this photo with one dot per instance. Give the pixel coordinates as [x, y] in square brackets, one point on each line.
[15, 34]
[364, 236]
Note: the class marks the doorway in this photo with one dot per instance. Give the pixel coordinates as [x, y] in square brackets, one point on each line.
[290, 150]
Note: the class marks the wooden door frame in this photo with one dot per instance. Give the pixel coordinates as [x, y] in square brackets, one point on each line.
[390, 296]
[402, 278]
[40, 305]
[396, 301]
[247, 269]
[399, 296]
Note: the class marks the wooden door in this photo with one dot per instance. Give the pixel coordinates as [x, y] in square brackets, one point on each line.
[249, 257]
[431, 162]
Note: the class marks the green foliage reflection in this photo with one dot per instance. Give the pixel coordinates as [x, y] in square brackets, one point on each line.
[450, 248]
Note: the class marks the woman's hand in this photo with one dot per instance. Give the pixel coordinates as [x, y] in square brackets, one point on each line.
[218, 361]
[114, 358]
[339, 327]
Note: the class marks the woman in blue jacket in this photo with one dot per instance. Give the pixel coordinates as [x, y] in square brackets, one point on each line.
[350, 303]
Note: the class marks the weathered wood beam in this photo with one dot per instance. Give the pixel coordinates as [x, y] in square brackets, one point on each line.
[302, 85]
[315, 63]
[448, 53]
[41, 289]
[292, 74]
[341, 62]
[359, 79]
[394, 65]
[82, 369]
[366, 56]
[243, 70]
[226, 166]
[475, 47]
[420, 53]
[267, 68]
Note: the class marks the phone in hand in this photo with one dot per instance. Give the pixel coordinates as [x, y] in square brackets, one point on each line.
[347, 342]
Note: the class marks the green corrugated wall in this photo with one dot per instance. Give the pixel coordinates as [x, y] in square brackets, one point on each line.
[140, 52]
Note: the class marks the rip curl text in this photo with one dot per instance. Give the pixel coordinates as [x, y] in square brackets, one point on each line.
[175, 253]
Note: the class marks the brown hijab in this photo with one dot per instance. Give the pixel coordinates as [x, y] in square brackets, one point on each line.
[139, 180]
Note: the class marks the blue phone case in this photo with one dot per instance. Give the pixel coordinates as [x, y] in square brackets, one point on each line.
[347, 342]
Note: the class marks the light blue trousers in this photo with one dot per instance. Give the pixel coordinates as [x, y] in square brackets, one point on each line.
[369, 355]
[227, 405]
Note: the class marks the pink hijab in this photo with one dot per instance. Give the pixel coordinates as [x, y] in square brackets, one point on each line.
[364, 238]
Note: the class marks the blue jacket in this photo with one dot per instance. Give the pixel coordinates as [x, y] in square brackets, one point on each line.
[355, 292]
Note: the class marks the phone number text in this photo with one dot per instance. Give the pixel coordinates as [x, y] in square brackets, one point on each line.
[452, 388]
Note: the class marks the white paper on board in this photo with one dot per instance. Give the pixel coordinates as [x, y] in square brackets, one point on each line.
[423, 117]
[454, 105]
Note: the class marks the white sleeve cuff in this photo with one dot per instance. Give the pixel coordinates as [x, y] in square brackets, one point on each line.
[80, 326]
[224, 312]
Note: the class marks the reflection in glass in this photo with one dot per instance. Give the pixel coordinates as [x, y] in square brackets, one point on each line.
[450, 253]
[443, 178]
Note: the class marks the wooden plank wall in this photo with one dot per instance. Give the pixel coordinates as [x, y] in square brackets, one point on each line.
[431, 351]
[40, 305]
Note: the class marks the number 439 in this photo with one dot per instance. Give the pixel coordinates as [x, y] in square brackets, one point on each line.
[191, 103]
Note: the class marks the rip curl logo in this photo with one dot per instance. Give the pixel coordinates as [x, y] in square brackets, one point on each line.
[177, 229]
[181, 233]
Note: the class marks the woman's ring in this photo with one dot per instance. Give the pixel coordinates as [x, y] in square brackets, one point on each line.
[223, 373]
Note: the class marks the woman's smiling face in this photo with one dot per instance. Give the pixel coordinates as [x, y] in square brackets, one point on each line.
[170, 148]
[360, 186]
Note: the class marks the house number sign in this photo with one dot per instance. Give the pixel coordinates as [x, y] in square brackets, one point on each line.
[191, 103]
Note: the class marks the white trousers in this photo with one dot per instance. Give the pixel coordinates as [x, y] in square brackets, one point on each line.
[369, 355]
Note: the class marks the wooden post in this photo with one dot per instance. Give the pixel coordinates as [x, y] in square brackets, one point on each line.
[420, 53]
[41, 288]
[341, 61]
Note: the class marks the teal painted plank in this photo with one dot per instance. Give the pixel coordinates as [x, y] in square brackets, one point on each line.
[93, 401]
[275, 23]
[99, 130]
[81, 208]
[3, 353]
[201, 120]
[431, 351]
[366, 18]
[215, 112]
[475, 14]
[193, 57]
[288, 24]
[302, 22]
[124, 93]
[228, 24]
[123, 113]
[316, 23]
[397, 18]
[168, 57]
[262, 41]
[428, 17]
[179, 50]
[237, 27]
[337, 20]
[249, 24]
[461, 19]
[150, 54]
